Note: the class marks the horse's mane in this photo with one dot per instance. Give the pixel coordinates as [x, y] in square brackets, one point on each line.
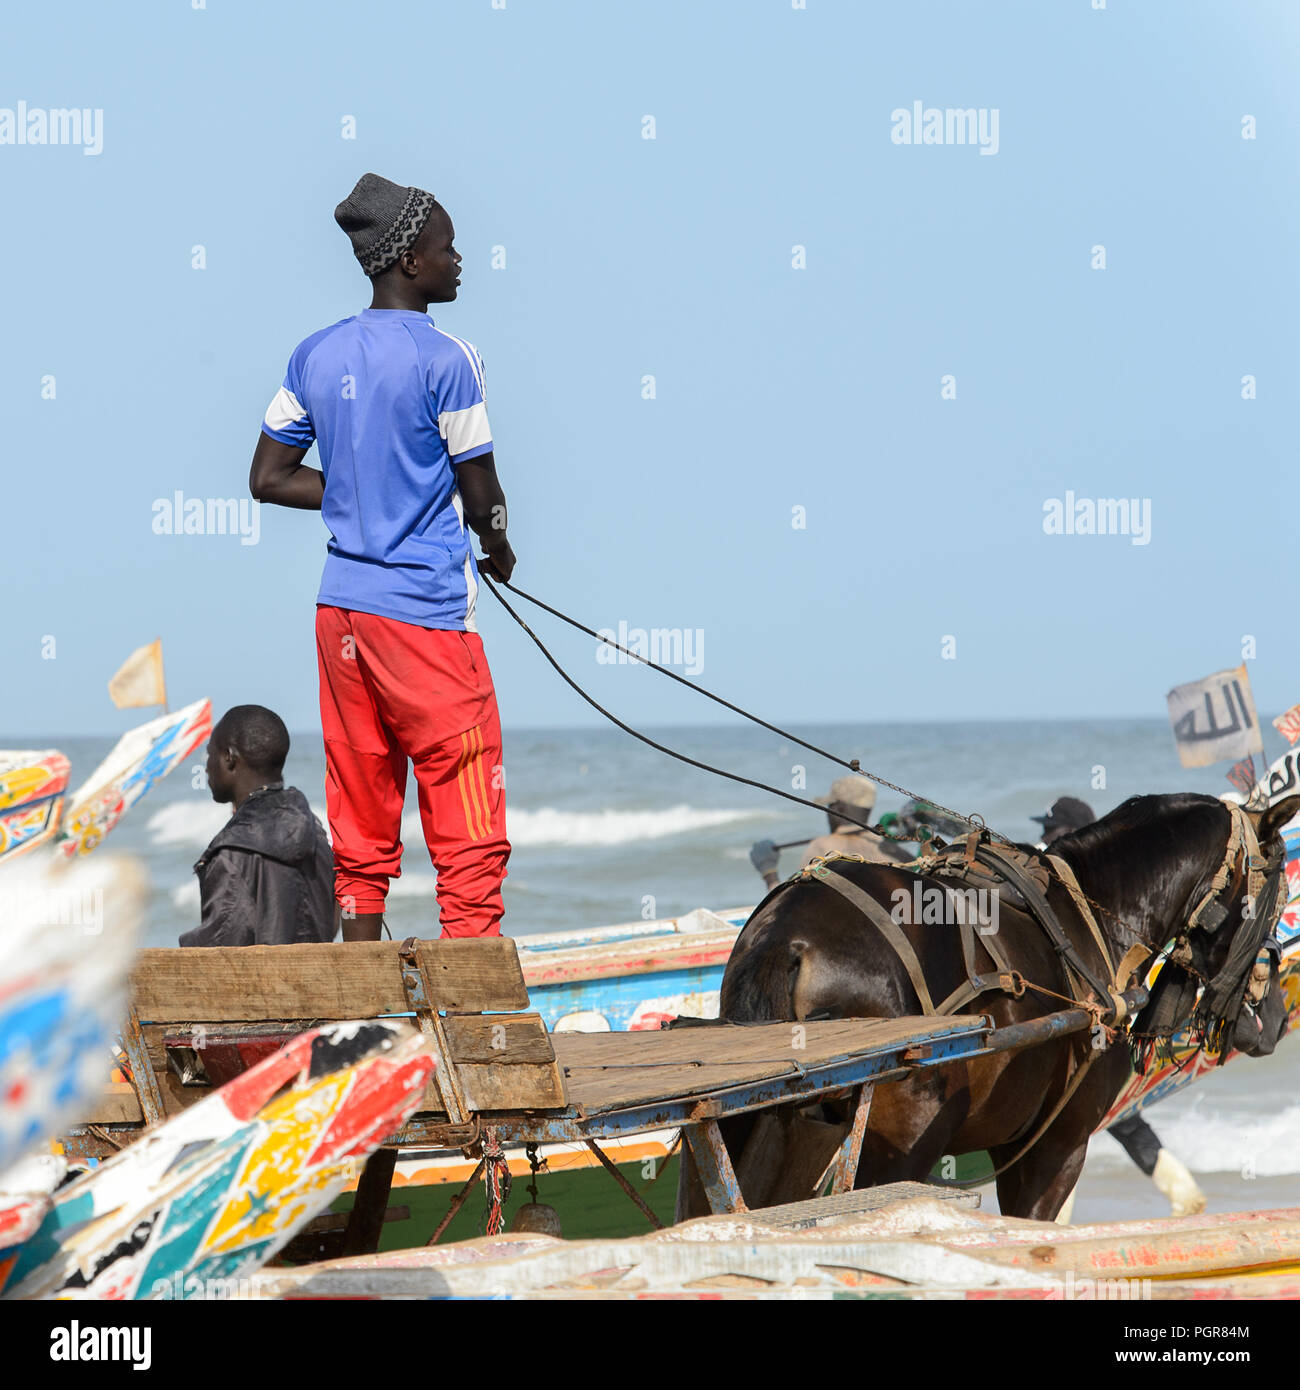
[1150, 854]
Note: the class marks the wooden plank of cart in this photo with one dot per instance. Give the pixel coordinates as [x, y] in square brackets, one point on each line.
[198, 1017]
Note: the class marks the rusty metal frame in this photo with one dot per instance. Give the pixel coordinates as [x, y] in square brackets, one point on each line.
[612, 1169]
[844, 1167]
[716, 1173]
[143, 1079]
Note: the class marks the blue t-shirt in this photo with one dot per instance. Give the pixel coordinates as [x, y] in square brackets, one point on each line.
[394, 405]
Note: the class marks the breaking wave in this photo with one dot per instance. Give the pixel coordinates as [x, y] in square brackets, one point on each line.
[186, 823]
[192, 824]
[548, 826]
[1267, 1146]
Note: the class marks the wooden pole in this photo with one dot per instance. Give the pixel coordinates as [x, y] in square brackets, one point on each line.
[366, 1221]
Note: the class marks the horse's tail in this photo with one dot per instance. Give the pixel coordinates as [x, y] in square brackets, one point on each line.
[763, 986]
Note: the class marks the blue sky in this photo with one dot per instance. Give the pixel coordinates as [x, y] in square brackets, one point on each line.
[775, 388]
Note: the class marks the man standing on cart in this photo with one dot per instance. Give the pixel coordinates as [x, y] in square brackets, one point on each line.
[396, 408]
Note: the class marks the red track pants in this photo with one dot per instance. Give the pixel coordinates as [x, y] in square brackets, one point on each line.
[390, 691]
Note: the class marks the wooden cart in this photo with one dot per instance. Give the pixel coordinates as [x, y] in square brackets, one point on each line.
[199, 1017]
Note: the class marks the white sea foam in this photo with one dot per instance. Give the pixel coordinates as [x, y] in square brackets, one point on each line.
[185, 896]
[192, 824]
[1212, 1142]
[187, 823]
[413, 886]
[548, 826]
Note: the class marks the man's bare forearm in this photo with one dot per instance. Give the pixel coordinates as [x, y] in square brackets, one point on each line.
[279, 476]
[303, 488]
[484, 506]
[484, 501]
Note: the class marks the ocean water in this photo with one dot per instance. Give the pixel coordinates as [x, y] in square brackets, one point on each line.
[607, 830]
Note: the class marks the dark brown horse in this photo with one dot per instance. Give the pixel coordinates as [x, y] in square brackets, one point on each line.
[808, 952]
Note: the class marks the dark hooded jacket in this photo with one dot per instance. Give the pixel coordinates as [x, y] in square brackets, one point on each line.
[267, 879]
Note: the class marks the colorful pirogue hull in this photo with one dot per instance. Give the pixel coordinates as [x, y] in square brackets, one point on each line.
[33, 787]
[141, 757]
[897, 1242]
[196, 1205]
[634, 976]
[67, 942]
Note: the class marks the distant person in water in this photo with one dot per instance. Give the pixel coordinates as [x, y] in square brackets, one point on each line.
[267, 878]
[1142, 1144]
[1065, 815]
[849, 796]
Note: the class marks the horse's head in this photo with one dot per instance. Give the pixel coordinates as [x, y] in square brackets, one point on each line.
[1222, 971]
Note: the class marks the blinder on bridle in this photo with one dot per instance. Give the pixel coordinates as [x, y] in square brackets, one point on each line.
[1228, 1014]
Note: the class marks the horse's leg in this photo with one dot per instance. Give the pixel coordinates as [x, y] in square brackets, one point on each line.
[1036, 1187]
[911, 1127]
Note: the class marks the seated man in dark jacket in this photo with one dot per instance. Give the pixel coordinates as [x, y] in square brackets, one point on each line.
[267, 878]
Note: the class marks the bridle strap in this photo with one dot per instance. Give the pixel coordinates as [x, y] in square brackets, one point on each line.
[1241, 839]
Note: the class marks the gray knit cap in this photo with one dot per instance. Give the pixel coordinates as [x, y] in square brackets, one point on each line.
[383, 220]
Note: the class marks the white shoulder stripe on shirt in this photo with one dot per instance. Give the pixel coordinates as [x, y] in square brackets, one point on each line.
[283, 411]
[465, 429]
[471, 356]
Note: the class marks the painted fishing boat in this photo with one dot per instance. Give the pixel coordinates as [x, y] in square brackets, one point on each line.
[631, 976]
[33, 785]
[201, 1202]
[898, 1241]
[25, 1201]
[67, 942]
[140, 758]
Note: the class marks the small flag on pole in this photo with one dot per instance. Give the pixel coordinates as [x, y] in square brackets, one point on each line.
[1214, 719]
[1289, 724]
[140, 681]
[1242, 776]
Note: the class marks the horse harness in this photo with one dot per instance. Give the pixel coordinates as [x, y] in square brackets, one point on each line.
[1024, 878]
[1027, 877]
[1245, 977]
